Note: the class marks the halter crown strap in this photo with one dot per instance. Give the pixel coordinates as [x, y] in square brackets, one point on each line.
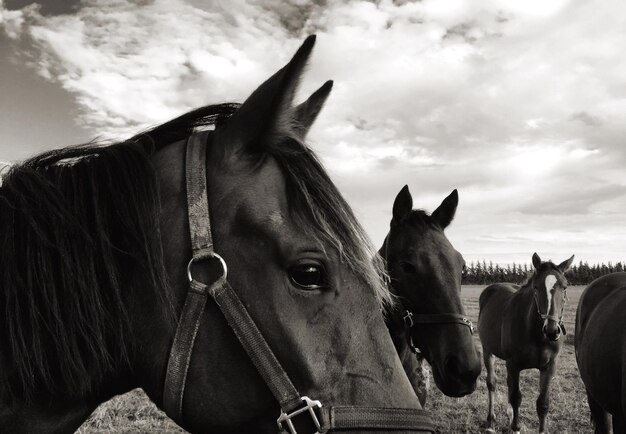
[292, 405]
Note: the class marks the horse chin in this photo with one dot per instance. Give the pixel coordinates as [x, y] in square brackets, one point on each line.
[453, 387]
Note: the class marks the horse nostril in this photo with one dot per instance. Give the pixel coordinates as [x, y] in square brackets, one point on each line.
[456, 369]
[553, 335]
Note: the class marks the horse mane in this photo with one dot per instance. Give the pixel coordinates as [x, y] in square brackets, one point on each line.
[74, 224]
[76, 221]
[320, 209]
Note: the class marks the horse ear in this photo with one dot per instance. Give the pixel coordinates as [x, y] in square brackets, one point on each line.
[267, 114]
[564, 266]
[536, 261]
[445, 213]
[305, 114]
[403, 204]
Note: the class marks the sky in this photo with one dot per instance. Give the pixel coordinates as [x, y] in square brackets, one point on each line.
[520, 106]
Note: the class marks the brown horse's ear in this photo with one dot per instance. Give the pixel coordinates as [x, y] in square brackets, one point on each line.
[564, 266]
[403, 204]
[305, 114]
[445, 213]
[536, 261]
[267, 114]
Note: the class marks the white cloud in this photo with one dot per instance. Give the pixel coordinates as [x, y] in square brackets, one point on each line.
[506, 101]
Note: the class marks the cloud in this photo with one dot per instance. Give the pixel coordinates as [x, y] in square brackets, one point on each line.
[520, 105]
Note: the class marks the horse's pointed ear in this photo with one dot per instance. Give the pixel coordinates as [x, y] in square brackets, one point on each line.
[445, 213]
[536, 261]
[267, 113]
[403, 204]
[565, 265]
[305, 114]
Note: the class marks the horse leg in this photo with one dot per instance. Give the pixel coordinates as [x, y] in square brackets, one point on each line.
[543, 401]
[491, 387]
[515, 396]
[422, 381]
[599, 416]
[619, 423]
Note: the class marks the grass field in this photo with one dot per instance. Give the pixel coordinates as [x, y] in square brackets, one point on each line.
[133, 413]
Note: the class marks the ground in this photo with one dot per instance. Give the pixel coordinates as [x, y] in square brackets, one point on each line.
[133, 413]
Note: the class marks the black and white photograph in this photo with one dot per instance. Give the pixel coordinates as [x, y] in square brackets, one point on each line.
[309, 217]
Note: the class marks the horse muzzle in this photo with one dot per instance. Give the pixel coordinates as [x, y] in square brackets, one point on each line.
[553, 335]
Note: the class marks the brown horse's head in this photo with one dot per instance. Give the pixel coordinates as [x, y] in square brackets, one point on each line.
[425, 271]
[297, 258]
[549, 290]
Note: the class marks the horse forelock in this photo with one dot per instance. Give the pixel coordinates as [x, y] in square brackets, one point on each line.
[316, 204]
[69, 233]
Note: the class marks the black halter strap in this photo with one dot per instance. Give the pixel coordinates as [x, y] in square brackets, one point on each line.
[295, 409]
[412, 320]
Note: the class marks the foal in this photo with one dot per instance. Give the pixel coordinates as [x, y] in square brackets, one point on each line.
[522, 325]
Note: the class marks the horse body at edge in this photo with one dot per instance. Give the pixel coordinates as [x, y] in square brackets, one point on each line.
[601, 350]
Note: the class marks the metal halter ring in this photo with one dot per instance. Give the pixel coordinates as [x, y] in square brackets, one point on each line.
[203, 256]
[310, 406]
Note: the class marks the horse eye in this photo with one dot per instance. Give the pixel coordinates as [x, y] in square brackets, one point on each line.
[408, 268]
[308, 276]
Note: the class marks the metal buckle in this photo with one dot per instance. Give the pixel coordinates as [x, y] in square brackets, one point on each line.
[309, 405]
[408, 319]
[208, 255]
[469, 324]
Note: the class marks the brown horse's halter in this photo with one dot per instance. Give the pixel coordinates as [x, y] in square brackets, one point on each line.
[295, 409]
[412, 320]
[547, 316]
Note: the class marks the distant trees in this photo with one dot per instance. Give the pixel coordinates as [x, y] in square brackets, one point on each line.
[483, 273]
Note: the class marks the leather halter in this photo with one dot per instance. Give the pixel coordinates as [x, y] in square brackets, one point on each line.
[294, 407]
[412, 320]
[547, 316]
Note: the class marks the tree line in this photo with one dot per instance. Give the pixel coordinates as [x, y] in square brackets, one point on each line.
[485, 273]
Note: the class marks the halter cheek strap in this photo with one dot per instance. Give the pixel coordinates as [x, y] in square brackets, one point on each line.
[296, 410]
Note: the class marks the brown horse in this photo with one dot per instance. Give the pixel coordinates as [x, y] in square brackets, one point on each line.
[425, 271]
[522, 325]
[601, 350]
[97, 280]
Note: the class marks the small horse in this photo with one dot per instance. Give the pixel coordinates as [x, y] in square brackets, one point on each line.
[601, 350]
[97, 284]
[425, 271]
[522, 325]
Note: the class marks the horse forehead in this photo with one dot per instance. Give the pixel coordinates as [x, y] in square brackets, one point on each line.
[265, 191]
[422, 243]
[550, 281]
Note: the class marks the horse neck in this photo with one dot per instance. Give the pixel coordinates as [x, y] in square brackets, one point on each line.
[528, 305]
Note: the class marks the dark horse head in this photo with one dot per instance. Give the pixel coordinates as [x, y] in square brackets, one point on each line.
[94, 247]
[425, 271]
[549, 287]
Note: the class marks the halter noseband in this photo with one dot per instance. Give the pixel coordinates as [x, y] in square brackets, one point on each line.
[412, 320]
[294, 407]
